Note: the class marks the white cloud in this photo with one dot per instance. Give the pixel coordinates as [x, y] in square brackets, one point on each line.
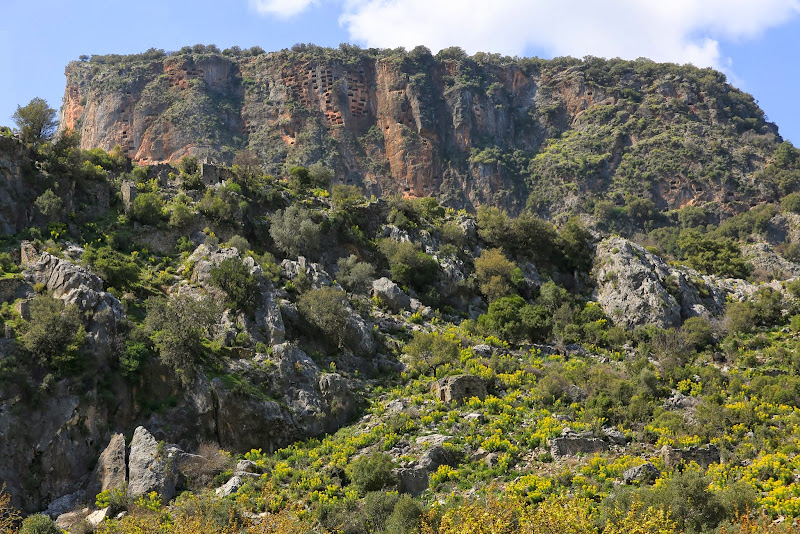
[682, 31]
[281, 8]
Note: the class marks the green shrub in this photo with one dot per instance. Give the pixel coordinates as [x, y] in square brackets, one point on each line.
[405, 516]
[513, 319]
[713, 256]
[180, 215]
[189, 164]
[371, 472]
[791, 203]
[7, 263]
[294, 232]
[39, 524]
[55, 334]
[697, 332]
[346, 197]
[494, 226]
[453, 234]
[326, 308]
[356, 276]
[239, 243]
[177, 327]
[409, 266]
[220, 205]
[378, 507]
[147, 208]
[49, 205]
[233, 277]
[427, 351]
[497, 275]
[689, 501]
[117, 270]
[692, 216]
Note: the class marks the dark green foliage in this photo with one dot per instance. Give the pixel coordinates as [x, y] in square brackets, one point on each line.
[294, 232]
[575, 243]
[497, 275]
[177, 327]
[642, 210]
[54, 334]
[239, 243]
[791, 203]
[111, 161]
[514, 319]
[713, 256]
[754, 221]
[371, 472]
[689, 501]
[117, 270]
[763, 309]
[327, 309]
[49, 205]
[222, 205]
[427, 351]
[233, 277]
[692, 216]
[301, 179]
[36, 121]
[356, 276]
[494, 226]
[147, 208]
[378, 507]
[346, 197]
[189, 165]
[697, 332]
[39, 524]
[405, 516]
[409, 266]
[137, 350]
[7, 264]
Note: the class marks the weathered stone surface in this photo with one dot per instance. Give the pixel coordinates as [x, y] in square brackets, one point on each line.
[437, 456]
[629, 289]
[66, 503]
[341, 402]
[484, 351]
[84, 289]
[764, 258]
[97, 517]
[646, 473]
[245, 466]
[636, 288]
[316, 274]
[230, 487]
[702, 456]
[412, 480]
[111, 469]
[10, 289]
[391, 294]
[68, 520]
[615, 436]
[152, 466]
[459, 388]
[572, 444]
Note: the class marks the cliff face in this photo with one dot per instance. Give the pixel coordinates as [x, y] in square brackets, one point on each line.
[471, 130]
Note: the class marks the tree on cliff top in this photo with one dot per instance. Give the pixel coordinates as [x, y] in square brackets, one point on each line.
[36, 122]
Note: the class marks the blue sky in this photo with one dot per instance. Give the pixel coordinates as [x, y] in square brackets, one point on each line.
[756, 42]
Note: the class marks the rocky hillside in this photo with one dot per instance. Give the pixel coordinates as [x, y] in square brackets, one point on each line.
[195, 347]
[469, 130]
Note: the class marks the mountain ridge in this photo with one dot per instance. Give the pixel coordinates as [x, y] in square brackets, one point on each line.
[470, 130]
